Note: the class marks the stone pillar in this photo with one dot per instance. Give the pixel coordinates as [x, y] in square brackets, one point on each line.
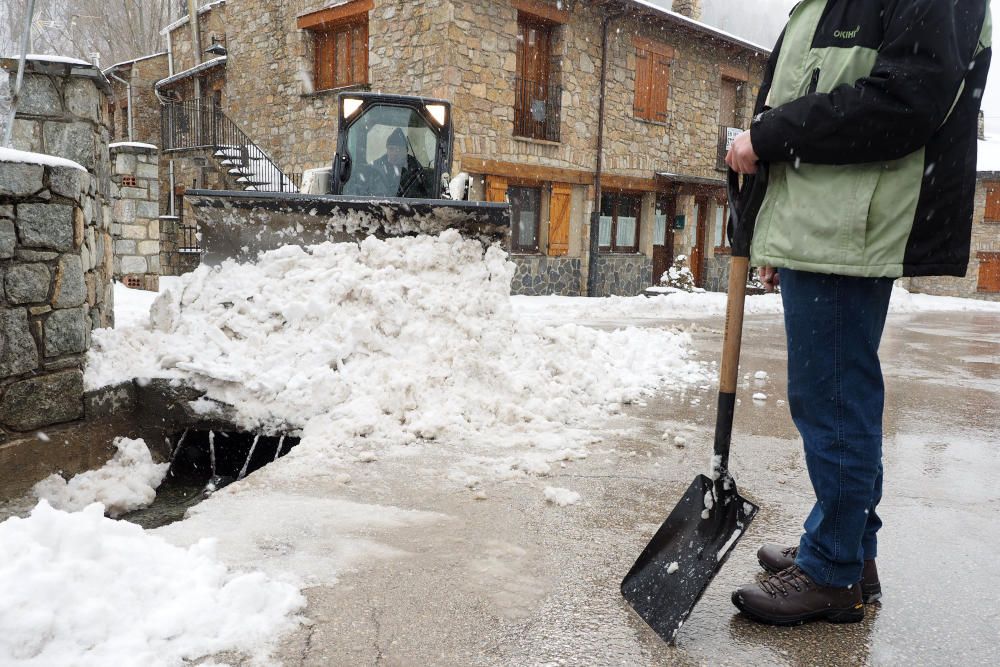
[689, 8]
[136, 225]
[46, 308]
[55, 242]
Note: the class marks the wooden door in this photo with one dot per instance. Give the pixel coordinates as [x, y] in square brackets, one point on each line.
[663, 239]
[559, 210]
[698, 251]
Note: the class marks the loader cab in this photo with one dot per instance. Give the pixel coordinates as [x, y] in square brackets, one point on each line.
[391, 146]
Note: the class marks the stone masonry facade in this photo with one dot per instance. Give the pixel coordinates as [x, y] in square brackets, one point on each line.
[466, 52]
[55, 246]
[985, 238]
[136, 226]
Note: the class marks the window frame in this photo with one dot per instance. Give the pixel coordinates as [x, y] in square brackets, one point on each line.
[989, 270]
[616, 198]
[328, 30]
[515, 246]
[992, 192]
[649, 56]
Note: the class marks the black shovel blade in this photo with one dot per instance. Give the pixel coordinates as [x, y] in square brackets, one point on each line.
[680, 561]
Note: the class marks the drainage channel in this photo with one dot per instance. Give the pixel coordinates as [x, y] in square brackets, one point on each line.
[204, 462]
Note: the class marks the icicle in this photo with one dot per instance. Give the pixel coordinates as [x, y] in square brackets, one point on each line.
[277, 452]
[211, 449]
[243, 470]
[173, 456]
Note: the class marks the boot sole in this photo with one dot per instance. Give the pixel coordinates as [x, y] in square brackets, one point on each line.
[853, 615]
[868, 594]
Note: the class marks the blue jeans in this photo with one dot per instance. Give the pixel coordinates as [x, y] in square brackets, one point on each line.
[836, 395]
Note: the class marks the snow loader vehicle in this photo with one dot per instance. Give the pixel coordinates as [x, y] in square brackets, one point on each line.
[389, 177]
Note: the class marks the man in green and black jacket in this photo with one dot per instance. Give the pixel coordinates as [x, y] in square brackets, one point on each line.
[868, 117]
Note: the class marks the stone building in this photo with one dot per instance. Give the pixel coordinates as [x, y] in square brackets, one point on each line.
[134, 110]
[982, 280]
[526, 79]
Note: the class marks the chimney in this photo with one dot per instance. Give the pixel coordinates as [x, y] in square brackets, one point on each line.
[982, 126]
[689, 8]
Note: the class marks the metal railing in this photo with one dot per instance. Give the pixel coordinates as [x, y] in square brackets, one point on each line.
[188, 239]
[537, 109]
[201, 124]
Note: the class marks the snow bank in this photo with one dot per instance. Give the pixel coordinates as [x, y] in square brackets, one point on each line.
[385, 343]
[125, 483]
[83, 590]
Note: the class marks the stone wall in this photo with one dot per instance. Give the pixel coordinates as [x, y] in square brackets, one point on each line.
[177, 255]
[55, 244]
[136, 224]
[623, 275]
[538, 275]
[54, 256]
[985, 238]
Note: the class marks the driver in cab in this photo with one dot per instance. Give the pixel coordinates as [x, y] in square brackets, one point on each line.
[398, 173]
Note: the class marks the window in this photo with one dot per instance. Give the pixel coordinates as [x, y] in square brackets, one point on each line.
[992, 203]
[392, 150]
[652, 79]
[536, 96]
[525, 213]
[619, 230]
[339, 44]
[721, 222]
[989, 272]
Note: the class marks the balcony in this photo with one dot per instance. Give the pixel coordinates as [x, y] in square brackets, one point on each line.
[536, 109]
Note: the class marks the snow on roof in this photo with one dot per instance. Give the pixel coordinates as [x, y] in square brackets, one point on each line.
[184, 19]
[132, 144]
[54, 59]
[988, 157]
[14, 155]
[201, 67]
[699, 26]
[134, 60]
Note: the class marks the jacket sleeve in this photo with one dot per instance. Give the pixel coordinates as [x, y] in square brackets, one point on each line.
[895, 110]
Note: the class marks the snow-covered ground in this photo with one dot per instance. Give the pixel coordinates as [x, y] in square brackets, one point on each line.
[387, 350]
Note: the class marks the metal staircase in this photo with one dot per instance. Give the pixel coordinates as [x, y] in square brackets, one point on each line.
[201, 125]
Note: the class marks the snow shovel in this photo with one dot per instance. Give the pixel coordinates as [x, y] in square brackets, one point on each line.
[691, 546]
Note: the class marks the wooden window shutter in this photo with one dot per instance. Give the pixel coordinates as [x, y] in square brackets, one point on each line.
[496, 189]
[659, 87]
[642, 81]
[992, 203]
[324, 61]
[989, 272]
[559, 209]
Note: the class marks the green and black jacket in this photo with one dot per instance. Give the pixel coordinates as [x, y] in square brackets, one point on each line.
[868, 115]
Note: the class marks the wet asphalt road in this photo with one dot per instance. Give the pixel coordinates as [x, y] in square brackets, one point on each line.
[510, 580]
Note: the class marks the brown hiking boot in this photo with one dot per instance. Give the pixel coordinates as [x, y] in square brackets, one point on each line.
[775, 558]
[790, 597]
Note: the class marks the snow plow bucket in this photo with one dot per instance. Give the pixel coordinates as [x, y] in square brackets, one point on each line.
[239, 225]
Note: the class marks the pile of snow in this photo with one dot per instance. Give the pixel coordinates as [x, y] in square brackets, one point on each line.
[127, 482]
[83, 590]
[389, 342]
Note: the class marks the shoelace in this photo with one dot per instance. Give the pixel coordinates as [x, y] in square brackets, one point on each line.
[778, 583]
[790, 552]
